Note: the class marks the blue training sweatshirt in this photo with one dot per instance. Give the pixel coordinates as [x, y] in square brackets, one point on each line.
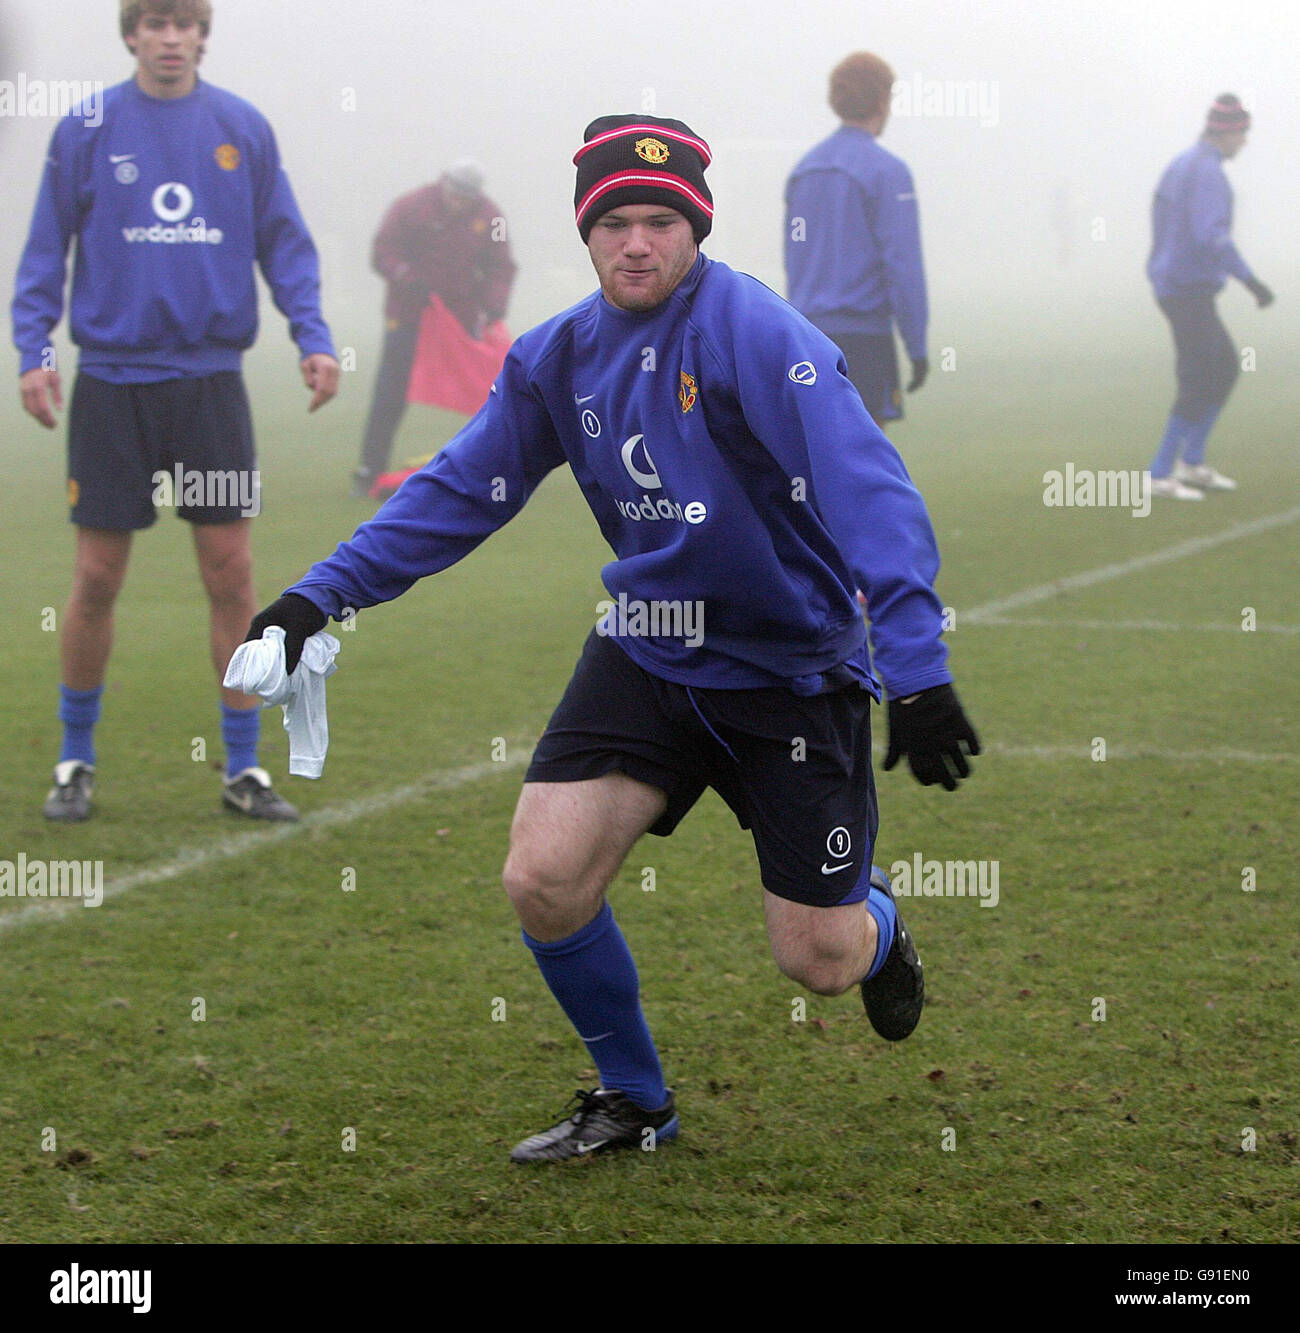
[172, 203]
[727, 459]
[853, 240]
[1191, 225]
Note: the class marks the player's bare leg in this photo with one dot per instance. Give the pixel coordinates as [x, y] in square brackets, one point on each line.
[99, 570]
[225, 557]
[567, 843]
[830, 949]
[826, 949]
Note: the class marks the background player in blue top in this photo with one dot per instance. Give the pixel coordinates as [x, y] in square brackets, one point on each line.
[747, 496]
[853, 240]
[1192, 256]
[172, 200]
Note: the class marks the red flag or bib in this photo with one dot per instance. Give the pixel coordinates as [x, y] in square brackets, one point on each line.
[451, 369]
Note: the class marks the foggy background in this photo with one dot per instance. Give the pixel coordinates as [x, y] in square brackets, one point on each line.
[1035, 214]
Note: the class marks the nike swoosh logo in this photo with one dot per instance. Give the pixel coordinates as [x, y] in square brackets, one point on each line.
[591, 1147]
[833, 870]
[242, 801]
[120, 157]
[580, 401]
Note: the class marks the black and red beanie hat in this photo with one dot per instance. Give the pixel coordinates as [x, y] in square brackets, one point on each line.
[1227, 116]
[642, 160]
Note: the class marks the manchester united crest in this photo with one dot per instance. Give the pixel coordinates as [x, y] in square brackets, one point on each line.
[227, 156]
[654, 151]
[688, 393]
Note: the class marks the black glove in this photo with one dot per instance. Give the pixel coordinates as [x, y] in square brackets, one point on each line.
[920, 369]
[299, 619]
[930, 729]
[1263, 296]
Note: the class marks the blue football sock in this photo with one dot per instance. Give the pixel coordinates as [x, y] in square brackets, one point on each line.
[79, 711]
[239, 732]
[592, 975]
[1171, 446]
[1197, 436]
[881, 906]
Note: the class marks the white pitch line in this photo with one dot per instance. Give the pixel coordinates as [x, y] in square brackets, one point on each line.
[330, 816]
[1044, 592]
[1169, 626]
[1131, 752]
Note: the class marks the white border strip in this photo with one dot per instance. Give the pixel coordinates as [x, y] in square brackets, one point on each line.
[1044, 592]
[1148, 626]
[328, 817]
[1082, 750]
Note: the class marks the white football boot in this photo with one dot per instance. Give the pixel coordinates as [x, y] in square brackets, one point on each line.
[1172, 489]
[1203, 477]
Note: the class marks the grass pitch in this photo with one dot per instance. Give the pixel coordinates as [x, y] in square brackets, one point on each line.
[1108, 1054]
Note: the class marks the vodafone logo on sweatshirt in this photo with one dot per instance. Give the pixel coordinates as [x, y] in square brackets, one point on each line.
[641, 468]
[173, 202]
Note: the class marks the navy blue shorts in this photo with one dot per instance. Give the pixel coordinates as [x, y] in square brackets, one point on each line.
[795, 771]
[872, 360]
[124, 439]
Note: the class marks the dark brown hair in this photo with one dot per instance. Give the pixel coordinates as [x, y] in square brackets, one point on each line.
[134, 10]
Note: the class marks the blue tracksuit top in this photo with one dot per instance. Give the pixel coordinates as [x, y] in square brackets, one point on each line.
[854, 266]
[1191, 225]
[172, 203]
[728, 461]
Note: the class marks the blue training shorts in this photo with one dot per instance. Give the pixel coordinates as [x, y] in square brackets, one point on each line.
[123, 439]
[795, 770]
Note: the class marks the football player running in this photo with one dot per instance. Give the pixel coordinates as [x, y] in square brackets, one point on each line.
[733, 469]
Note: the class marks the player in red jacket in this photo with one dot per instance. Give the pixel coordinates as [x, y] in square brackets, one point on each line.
[446, 239]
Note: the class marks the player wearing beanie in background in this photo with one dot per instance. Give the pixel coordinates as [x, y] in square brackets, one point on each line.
[733, 469]
[173, 200]
[1192, 256]
[853, 240]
